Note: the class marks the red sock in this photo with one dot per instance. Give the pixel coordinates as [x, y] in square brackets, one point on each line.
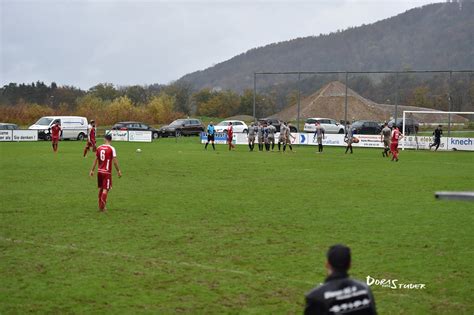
[100, 200]
[104, 199]
[85, 151]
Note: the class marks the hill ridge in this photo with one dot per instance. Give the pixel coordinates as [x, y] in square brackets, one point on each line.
[435, 36]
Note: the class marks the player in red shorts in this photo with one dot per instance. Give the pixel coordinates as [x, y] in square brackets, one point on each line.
[396, 136]
[55, 130]
[90, 139]
[230, 135]
[105, 156]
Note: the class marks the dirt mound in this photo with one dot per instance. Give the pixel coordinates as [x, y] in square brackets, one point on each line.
[329, 102]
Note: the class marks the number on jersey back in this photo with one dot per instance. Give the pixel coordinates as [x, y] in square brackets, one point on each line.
[105, 154]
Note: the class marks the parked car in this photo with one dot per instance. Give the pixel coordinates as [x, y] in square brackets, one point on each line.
[276, 122]
[135, 125]
[238, 126]
[411, 125]
[8, 126]
[366, 127]
[329, 125]
[185, 127]
[74, 127]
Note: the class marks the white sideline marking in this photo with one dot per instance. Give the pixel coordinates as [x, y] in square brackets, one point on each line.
[159, 260]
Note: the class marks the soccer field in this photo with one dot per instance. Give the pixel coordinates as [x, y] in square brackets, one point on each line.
[197, 231]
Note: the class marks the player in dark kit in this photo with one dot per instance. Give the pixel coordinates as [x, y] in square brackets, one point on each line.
[91, 143]
[437, 137]
[56, 131]
[211, 131]
[105, 156]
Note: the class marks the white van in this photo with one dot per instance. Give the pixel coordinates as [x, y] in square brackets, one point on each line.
[74, 127]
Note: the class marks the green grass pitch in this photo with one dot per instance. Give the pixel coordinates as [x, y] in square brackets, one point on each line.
[199, 231]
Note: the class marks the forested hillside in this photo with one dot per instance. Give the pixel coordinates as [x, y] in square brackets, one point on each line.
[436, 36]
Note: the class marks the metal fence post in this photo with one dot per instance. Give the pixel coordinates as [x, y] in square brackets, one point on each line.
[397, 87]
[345, 105]
[450, 104]
[299, 96]
[254, 94]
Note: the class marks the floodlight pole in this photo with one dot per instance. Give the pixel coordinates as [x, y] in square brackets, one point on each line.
[345, 106]
[299, 96]
[254, 94]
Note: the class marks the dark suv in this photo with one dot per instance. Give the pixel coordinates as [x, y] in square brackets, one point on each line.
[182, 127]
[366, 127]
[135, 125]
[411, 125]
[276, 123]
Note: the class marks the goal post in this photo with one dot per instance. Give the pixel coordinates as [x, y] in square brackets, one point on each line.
[447, 122]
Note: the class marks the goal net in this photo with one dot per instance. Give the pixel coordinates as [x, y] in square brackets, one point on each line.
[418, 129]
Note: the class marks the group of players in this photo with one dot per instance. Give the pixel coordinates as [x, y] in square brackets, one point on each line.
[105, 157]
[390, 139]
[265, 135]
[262, 132]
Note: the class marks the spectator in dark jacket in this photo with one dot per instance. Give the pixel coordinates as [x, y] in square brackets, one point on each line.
[340, 294]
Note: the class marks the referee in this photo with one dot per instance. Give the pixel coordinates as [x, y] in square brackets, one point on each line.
[211, 131]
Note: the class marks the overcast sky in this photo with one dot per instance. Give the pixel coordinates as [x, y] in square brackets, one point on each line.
[82, 43]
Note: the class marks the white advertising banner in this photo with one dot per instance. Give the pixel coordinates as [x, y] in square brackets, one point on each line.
[139, 136]
[421, 143]
[118, 135]
[6, 135]
[329, 139]
[463, 144]
[365, 141]
[25, 135]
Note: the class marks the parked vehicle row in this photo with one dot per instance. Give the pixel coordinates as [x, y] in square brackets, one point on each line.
[75, 127]
[361, 126]
[369, 127]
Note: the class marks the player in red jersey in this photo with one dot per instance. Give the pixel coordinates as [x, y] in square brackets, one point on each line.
[396, 136]
[56, 131]
[90, 139]
[105, 156]
[230, 135]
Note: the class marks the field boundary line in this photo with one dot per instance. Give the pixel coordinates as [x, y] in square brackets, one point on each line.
[156, 260]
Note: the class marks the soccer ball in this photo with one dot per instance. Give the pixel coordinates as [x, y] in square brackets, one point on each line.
[139, 150]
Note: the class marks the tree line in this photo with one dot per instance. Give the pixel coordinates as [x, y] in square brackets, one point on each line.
[160, 104]
[107, 103]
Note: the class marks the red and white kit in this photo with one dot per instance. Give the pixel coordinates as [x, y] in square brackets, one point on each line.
[394, 143]
[55, 132]
[91, 137]
[105, 154]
